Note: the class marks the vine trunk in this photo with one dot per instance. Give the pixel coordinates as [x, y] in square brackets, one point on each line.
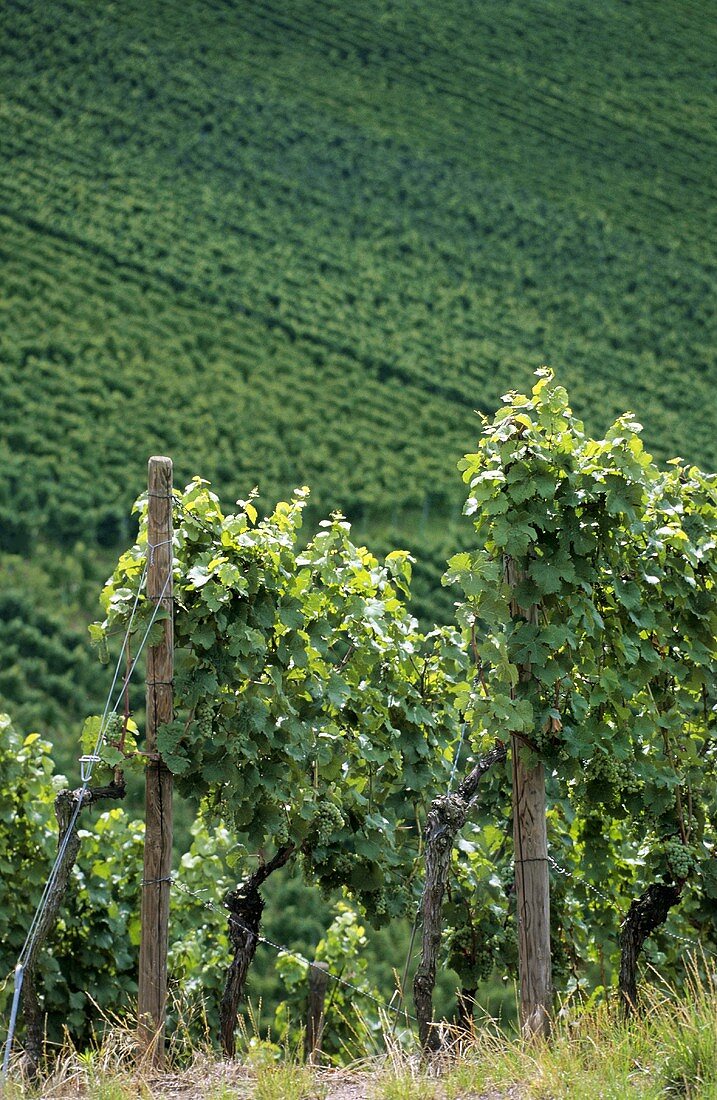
[645, 914]
[446, 817]
[245, 905]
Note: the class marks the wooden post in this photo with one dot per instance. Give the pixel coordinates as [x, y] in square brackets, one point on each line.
[532, 890]
[532, 881]
[318, 981]
[152, 994]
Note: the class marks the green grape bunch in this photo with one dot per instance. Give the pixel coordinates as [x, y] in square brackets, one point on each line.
[607, 781]
[281, 835]
[325, 824]
[470, 953]
[204, 718]
[113, 729]
[680, 860]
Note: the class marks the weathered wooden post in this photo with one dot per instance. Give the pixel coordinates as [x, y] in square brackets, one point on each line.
[532, 880]
[152, 994]
[318, 982]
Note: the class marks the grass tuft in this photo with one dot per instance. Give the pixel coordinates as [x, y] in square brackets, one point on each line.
[287, 1082]
[406, 1085]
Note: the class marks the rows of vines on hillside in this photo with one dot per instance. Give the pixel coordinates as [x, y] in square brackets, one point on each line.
[389, 215]
[317, 723]
[197, 278]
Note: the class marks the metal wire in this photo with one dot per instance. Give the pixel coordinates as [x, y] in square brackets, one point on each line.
[89, 763]
[611, 902]
[277, 946]
[456, 756]
[588, 885]
[85, 782]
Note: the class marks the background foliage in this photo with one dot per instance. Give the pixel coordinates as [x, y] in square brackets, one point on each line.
[290, 242]
[94, 948]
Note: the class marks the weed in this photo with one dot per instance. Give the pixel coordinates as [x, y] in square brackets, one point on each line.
[287, 1082]
[406, 1085]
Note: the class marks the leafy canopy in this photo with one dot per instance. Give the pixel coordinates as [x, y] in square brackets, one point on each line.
[614, 561]
[311, 710]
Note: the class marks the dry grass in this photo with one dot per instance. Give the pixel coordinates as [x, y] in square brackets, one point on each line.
[671, 1051]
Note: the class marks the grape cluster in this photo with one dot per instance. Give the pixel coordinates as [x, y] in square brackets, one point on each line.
[470, 955]
[608, 780]
[281, 832]
[333, 870]
[337, 868]
[385, 903]
[376, 901]
[680, 859]
[326, 822]
[204, 718]
[113, 728]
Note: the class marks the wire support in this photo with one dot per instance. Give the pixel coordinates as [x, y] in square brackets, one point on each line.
[456, 756]
[152, 546]
[280, 947]
[611, 902]
[25, 956]
[409, 955]
[588, 885]
[19, 975]
[85, 778]
[690, 942]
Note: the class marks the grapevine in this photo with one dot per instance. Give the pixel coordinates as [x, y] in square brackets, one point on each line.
[618, 558]
[312, 714]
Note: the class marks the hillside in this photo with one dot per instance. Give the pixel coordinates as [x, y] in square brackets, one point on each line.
[292, 242]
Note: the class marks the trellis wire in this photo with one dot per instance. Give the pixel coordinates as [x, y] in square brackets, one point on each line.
[456, 755]
[409, 953]
[87, 765]
[588, 885]
[86, 777]
[232, 919]
[611, 902]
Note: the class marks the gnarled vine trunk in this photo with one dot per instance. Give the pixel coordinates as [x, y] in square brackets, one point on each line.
[245, 905]
[446, 817]
[645, 914]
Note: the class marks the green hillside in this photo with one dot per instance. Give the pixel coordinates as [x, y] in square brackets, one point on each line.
[299, 242]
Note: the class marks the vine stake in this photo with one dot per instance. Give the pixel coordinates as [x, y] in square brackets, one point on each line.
[532, 883]
[152, 994]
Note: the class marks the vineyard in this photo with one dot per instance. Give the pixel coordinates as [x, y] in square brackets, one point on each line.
[330, 241]
[294, 698]
[292, 243]
[230, 224]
